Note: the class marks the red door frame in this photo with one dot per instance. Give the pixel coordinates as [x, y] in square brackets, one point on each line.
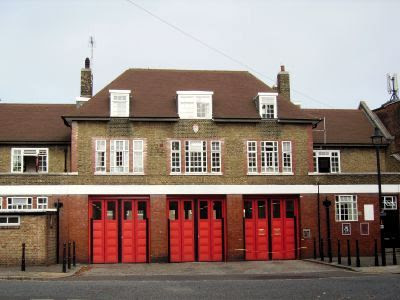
[119, 212]
[196, 202]
[269, 200]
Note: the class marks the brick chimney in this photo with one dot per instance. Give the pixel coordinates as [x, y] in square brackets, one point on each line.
[283, 82]
[86, 84]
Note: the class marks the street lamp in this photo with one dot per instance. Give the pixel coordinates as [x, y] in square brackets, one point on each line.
[327, 204]
[377, 141]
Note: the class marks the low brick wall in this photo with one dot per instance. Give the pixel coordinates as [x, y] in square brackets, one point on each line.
[38, 232]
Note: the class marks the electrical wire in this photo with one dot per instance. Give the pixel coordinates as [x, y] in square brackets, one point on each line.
[185, 33]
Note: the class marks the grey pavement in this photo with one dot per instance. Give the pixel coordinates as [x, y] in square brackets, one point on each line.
[38, 272]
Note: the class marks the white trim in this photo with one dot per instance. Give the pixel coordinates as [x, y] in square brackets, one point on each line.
[10, 224]
[267, 94]
[46, 203]
[119, 91]
[194, 93]
[190, 189]
[22, 150]
[7, 211]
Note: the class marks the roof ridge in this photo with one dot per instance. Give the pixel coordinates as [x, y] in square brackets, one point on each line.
[187, 70]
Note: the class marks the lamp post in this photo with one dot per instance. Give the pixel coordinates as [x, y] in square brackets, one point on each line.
[327, 204]
[377, 141]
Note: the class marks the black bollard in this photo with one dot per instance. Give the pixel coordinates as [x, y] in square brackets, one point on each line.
[358, 263]
[394, 255]
[339, 253]
[69, 255]
[376, 254]
[322, 250]
[23, 257]
[64, 266]
[73, 254]
[348, 253]
[330, 250]
[315, 249]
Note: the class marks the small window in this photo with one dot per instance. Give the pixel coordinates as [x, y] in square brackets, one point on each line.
[175, 157]
[289, 208]
[261, 209]
[96, 210]
[326, 161]
[252, 156]
[389, 202]
[119, 106]
[287, 157]
[215, 156]
[6, 221]
[42, 203]
[119, 156]
[188, 210]
[173, 210]
[100, 156]
[29, 160]
[128, 210]
[346, 208]
[267, 105]
[276, 209]
[217, 210]
[111, 212]
[142, 210]
[248, 209]
[19, 203]
[138, 156]
[203, 210]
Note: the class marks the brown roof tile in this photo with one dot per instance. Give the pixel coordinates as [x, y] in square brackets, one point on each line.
[390, 117]
[34, 122]
[154, 94]
[343, 126]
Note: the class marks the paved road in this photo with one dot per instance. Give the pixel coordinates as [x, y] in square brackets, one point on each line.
[337, 285]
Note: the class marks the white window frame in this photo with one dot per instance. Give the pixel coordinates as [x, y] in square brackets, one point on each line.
[273, 166]
[124, 168]
[36, 152]
[352, 210]
[101, 168]
[252, 169]
[392, 200]
[287, 157]
[113, 102]
[326, 153]
[216, 165]
[176, 161]
[28, 205]
[267, 99]
[7, 224]
[189, 103]
[203, 157]
[137, 152]
[44, 204]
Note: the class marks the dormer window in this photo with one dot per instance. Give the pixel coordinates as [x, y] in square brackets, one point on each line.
[267, 107]
[194, 104]
[119, 103]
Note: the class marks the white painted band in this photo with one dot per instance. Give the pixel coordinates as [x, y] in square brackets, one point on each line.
[30, 190]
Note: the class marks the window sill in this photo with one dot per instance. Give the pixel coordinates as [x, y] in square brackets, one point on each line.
[39, 174]
[271, 174]
[345, 221]
[30, 210]
[118, 174]
[196, 174]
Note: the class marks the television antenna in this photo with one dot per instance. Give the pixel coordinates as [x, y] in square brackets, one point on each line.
[392, 87]
[92, 44]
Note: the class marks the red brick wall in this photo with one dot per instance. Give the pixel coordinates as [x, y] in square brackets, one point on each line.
[158, 229]
[309, 220]
[235, 245]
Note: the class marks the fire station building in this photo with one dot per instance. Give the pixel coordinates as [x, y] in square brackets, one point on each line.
[185, 165]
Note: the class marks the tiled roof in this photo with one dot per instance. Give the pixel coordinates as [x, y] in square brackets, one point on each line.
[154, 94]
[342, 126]
[390, 117]
[34, 122]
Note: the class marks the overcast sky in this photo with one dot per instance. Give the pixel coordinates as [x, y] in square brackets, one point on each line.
[337, 52]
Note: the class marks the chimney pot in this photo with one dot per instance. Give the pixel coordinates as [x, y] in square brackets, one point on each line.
[87, 63]
[282, 68]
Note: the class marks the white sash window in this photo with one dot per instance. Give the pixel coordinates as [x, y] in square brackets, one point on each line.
[119, 156]
[29, 160]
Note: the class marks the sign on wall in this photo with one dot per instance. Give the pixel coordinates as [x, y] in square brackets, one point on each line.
[368, 212]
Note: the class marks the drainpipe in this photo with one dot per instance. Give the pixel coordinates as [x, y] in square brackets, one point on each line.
[319, 220]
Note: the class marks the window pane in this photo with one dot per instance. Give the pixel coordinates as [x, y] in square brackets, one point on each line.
[261, 209]
[217, 210]
[13, 220]
[111, 210]
[203, 210]
[127, 210]
[96, 210]
[173, 210]
[142, 210]
[3, 220]
[289, 208]
[188, 210]
[324, 165]
[276, 209]
[248, 209]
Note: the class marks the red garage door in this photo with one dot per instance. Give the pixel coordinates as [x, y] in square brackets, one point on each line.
[270, 229]
[283, 228]
[181, 230]
[256, 229]
[119, 230]
[196, 230]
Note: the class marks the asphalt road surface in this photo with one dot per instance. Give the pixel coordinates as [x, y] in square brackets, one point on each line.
[337, 285]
